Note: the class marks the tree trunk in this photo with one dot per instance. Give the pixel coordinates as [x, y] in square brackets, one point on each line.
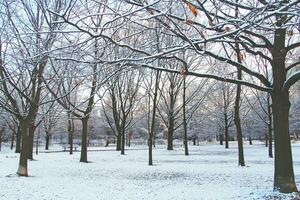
[185, 141]
[226, 134]
[270, 137]
[18, 140]
[22, 170]
[12, 140]
[70, 133]
[151, 133]
[119, 140]
[237, 119]
[84, 139]
[123, 142]
[37, 144]
[266, 140]
[221, 139]
[250, 140]
[31, 141]
[47, 141]
[71, 143]
[0, 142]
[284, 180]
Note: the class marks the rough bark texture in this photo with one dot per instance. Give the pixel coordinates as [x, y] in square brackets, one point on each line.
[18, 140]
[47, 141]
[118, 146]
[123, 142]
[237, 119]
[151, 133]
[84, 138]
[270, 137]
[226, 134]
[12, 140]
[22, 170]
[30, 141]
[185, 141]
[284, 180]
[170, 133]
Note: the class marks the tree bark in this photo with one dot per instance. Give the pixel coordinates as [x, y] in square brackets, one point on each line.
[226, 134]
[84, 138]
[12, 140]
[237, 119]
[18, 140]
[22, 170]
[47, 141]
[31, 141]
[284, 180]
[270, 137]
[119, 140]
[123, 142]
[185, 141]
[221, 139]
[151, 133]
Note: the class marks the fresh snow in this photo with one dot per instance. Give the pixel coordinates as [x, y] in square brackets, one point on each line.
[210, 172]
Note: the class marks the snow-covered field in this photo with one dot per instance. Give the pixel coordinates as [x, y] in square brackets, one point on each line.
[210, 172]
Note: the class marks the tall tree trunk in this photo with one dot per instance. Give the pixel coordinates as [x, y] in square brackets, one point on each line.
[221, 139]
[237, 119]
[47, 141]
[266, 140]
[123, 142]
[284, 180]
[185, 140]
[12, 140]
[0, 142]
[151, 133]
[170, 132]
[226, 134]
[18, 140]
[22, 170]
[70, 133]
[270, 137]
[71, 142]
[31, 141]
[84, 139]
[37, 143]
[119, 140]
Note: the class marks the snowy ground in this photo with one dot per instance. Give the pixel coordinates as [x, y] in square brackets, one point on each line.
[210, 172]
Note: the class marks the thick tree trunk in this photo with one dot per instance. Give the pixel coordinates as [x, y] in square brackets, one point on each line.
[18, 140]
[84, 139]
[284, 180]
[22, 170]
[119, 140]
[70, 133]
[185, 140]
[170, 138]
[31, 141]
[47, 141]
[123, 143]
[71, 143]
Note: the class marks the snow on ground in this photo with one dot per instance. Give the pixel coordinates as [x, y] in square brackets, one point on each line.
[210, 172]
